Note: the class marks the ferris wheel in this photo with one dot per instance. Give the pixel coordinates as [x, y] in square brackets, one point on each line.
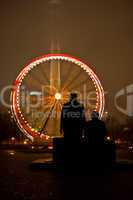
[44, 85]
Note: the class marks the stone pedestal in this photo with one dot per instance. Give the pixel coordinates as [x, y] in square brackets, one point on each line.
[58, 150]
[83, 156]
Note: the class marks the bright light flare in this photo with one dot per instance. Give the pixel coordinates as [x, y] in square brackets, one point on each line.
[58, 96]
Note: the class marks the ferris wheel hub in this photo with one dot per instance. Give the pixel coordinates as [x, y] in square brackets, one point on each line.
[58, 96]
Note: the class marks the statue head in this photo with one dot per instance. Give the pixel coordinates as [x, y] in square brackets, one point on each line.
[73, 96]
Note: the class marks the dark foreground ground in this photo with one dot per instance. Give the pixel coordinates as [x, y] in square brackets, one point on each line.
[18, 182]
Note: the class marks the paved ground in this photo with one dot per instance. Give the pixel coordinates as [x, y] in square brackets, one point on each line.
[18, 182]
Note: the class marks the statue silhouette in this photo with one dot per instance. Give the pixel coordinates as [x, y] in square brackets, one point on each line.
[72, 123]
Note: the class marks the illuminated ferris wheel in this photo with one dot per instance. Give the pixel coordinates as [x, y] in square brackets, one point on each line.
[44, 85]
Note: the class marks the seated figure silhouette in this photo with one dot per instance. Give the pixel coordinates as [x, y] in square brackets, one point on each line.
[95, 131]
[72, 122]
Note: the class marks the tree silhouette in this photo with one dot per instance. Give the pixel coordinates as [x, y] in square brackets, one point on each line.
[8, 127]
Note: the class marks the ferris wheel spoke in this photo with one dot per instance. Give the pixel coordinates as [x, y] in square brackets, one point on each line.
[78, 85]
[46, 90]
[91, 93]
[89, 99]
[72, 80]
[47, 119]
[67, 74]
[37, 79]
[90, 107]
[33, 83]
[60, 106]
[45, 76]
[46, 108]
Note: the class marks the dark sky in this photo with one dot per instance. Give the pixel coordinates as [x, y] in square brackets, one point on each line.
[98, 32]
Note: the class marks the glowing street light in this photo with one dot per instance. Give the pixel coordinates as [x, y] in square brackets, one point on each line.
[13, 139]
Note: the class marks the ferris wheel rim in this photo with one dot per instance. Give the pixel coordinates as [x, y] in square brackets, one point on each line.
[33, 63]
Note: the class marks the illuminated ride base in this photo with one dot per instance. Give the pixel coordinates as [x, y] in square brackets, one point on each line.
[44, 85]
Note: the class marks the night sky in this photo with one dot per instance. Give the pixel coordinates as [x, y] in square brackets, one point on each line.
[98, 32]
